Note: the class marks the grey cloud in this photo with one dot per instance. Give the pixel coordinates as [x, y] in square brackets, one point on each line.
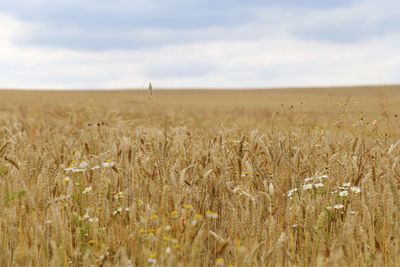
[101, 25]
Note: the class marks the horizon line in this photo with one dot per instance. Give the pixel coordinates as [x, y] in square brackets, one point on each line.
[192, 88]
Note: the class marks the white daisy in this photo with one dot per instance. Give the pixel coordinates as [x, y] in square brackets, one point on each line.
[308, 179]
[108, 164]
[307, 186]
[318, 185]
[291, 192]
[338, 206]
[69, 169]
[83, 165]
[78, 170]
[95, 167]
[355, 189]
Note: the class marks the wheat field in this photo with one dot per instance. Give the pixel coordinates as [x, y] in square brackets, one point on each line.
[305, 177]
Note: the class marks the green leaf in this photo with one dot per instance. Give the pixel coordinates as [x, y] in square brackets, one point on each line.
[13, 196]
[3, 170]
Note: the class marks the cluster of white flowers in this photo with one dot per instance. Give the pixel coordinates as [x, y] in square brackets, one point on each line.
[346, 187]
[317, 178]
[343, 191]
[84, 166]
[355, 189]
[88, 218]
[310, 183]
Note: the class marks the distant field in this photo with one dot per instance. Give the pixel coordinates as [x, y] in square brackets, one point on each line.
[285, 177]
[250, 99]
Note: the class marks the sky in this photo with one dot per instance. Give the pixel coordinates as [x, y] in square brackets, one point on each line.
[61, 44]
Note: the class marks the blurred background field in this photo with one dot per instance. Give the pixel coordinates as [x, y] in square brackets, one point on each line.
[318, 103]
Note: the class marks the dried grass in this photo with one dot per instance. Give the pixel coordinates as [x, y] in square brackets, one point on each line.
[199, 186]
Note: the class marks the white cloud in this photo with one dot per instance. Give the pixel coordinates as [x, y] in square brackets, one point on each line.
[262, 53]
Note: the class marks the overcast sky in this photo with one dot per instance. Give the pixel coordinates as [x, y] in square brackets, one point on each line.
[203, 43]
